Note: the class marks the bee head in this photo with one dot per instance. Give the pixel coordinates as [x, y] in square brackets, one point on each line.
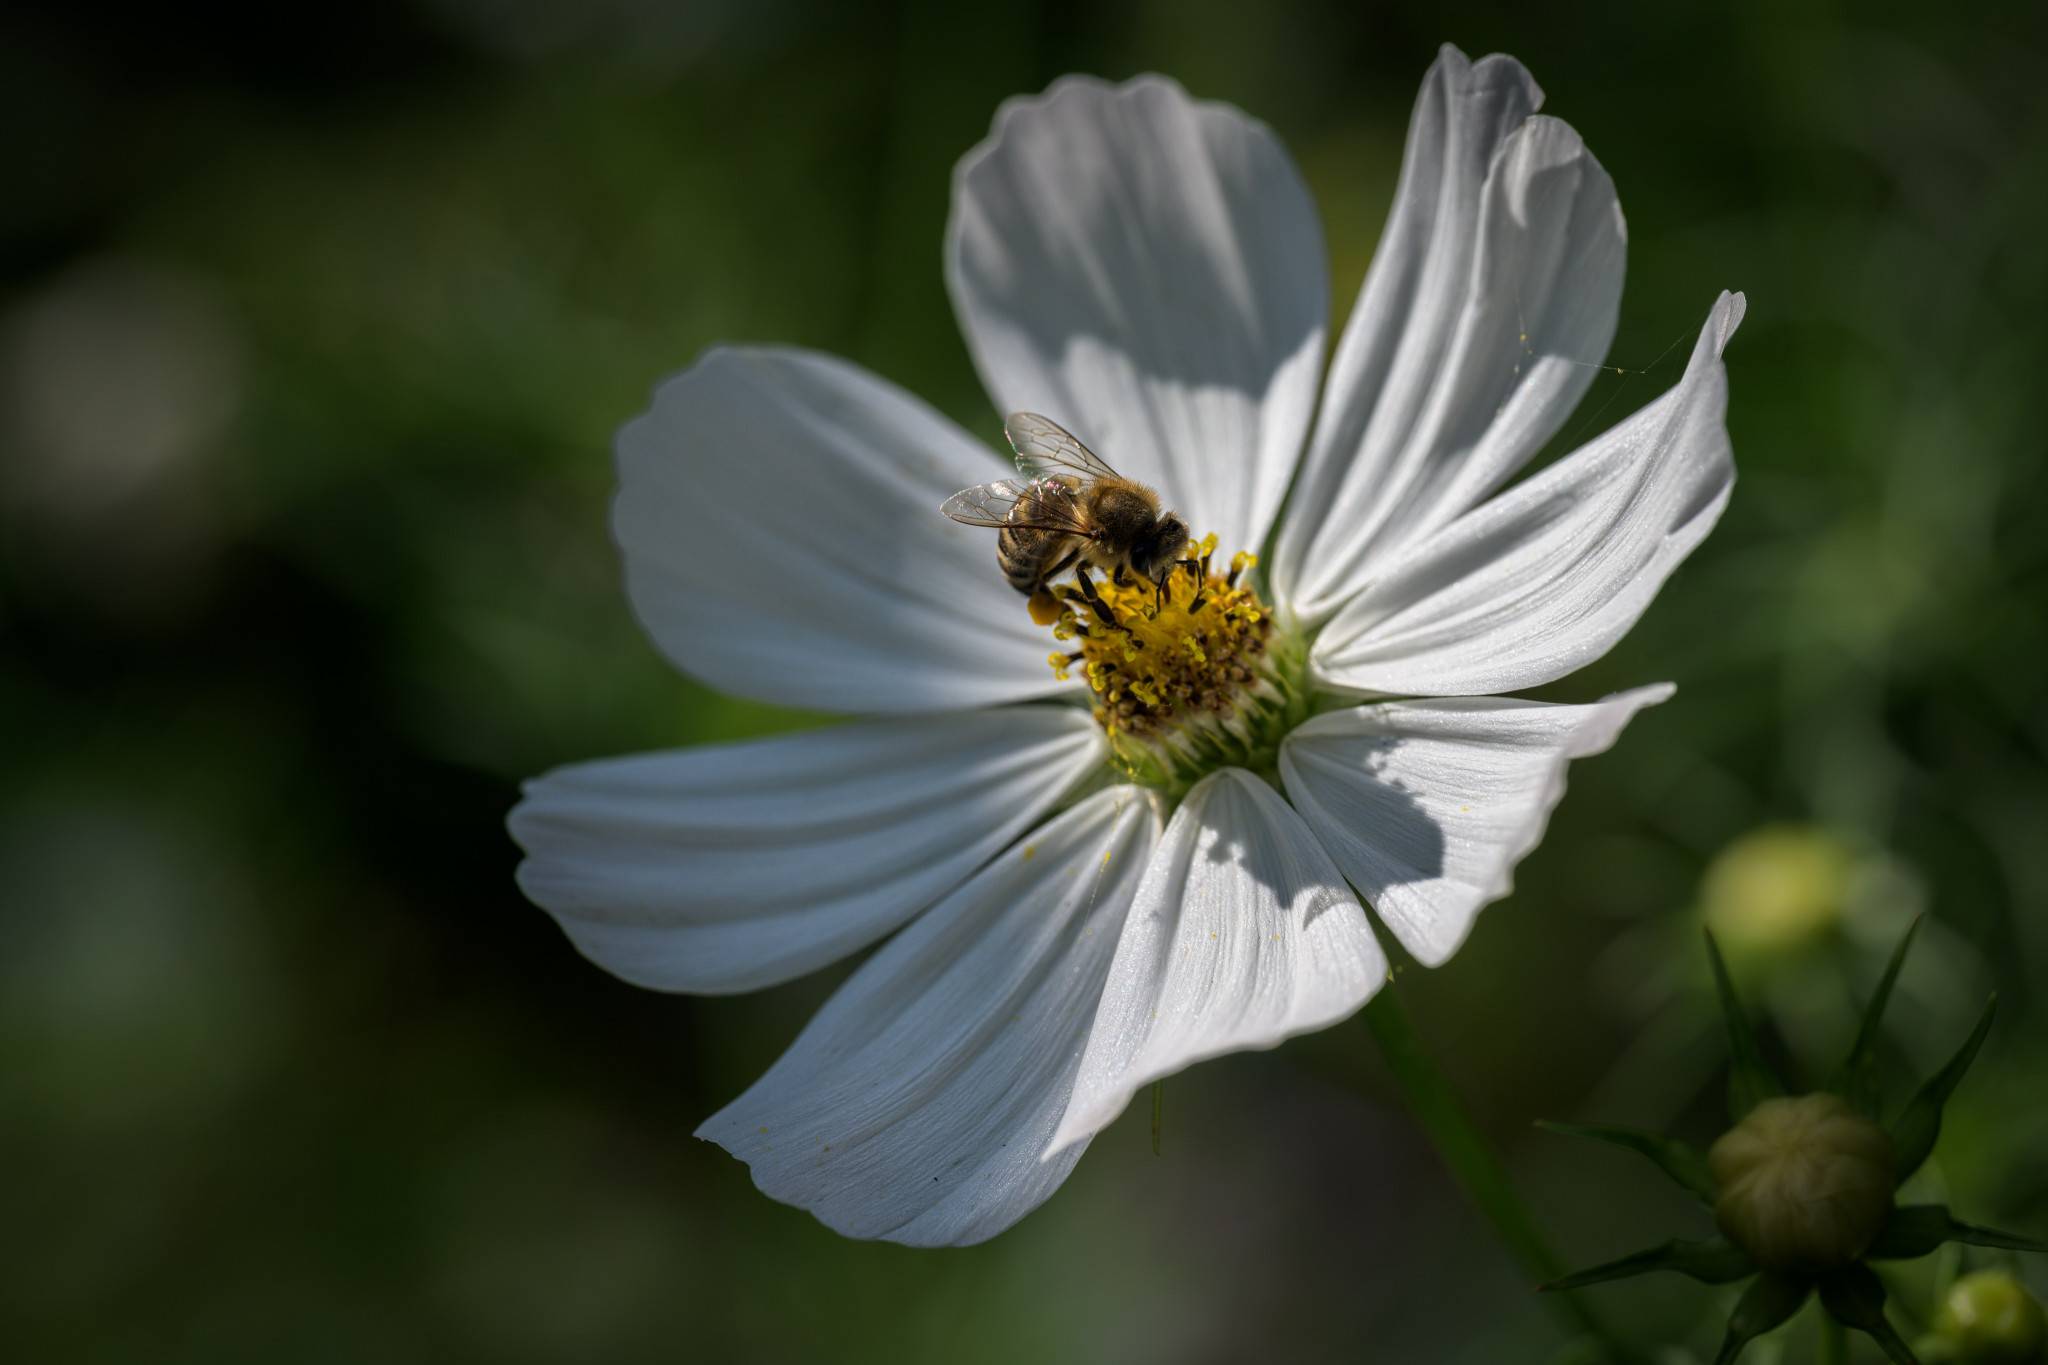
[1154, 556]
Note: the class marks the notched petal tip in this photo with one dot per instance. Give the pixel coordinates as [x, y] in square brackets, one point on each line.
[1728, 313]
[1148, 270]
[1549, 575]
[1494, 70]
[1491, 300]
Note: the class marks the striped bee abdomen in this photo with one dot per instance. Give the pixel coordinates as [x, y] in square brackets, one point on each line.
[1025, 553]
[1029, 546]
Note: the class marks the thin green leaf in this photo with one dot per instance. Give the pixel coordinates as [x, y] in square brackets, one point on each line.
[1680, 1160]
[1714, 1261]
[1750, 1080]
[1856, 1079]
[1914, 1131]
[1765, 1304]
[1914, 1230]
[1854, 1297]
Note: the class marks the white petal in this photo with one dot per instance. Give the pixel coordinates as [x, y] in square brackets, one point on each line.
[733, 866]
[1243, 933]
[1548, 575]
[779, 514]
[915, 1105]
[1147, 271]
[1428, 805]
[1492, 296]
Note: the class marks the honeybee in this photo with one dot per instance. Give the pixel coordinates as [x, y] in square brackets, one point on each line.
[1071, 510]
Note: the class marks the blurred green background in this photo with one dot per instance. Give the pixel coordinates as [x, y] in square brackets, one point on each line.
[315, 323]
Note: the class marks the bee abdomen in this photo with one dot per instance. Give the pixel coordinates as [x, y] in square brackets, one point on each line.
[1021, 551]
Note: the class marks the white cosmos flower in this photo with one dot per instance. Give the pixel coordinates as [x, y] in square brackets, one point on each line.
[1146, 269]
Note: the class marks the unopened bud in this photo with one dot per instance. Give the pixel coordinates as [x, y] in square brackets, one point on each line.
[1989, 1319]
[1802, 1184]
[1776, 889]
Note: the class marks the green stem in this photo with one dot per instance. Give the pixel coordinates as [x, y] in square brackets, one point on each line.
[1473, 1164]
[1834, 1342]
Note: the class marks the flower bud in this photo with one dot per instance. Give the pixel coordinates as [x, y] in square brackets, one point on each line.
[1802, 1184]
[1988, 1319]
[1776, 889]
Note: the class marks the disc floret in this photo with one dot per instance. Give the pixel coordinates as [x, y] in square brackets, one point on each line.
[1188, 674]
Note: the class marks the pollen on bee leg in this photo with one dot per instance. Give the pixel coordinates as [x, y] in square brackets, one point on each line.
[1045, 608]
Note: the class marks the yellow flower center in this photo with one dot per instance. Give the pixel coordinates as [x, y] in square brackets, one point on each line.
[1184, 673]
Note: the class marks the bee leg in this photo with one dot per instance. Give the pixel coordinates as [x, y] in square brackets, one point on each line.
[1120, 578]
[1102, 611]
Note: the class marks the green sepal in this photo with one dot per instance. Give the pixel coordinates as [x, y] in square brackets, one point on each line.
[1714, 1261]
[1916, 1128]
[1911, 1231]
[1680, 1160]
[1766, 1303]
[1856, 1079]
[1750, 1079]
[1854, 1297]
[1977, 1236]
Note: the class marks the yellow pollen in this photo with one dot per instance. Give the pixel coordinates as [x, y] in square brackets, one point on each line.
[1159, 660]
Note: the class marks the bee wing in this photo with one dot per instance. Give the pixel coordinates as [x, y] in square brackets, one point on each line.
[1045, 507]
[987, 504]
[1043, 445]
